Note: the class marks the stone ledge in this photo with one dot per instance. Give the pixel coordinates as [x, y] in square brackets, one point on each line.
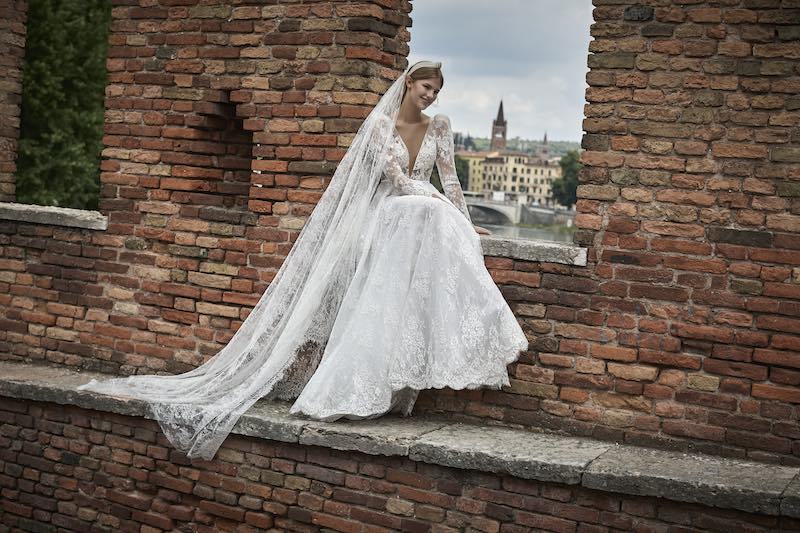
[55, 216]
[714, 481]
[528, 250]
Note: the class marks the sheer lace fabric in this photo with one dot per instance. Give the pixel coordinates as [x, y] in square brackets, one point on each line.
[437, 147]
[422, 311]
[385, 280]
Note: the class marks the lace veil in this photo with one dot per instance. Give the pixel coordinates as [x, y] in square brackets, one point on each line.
[278, 346]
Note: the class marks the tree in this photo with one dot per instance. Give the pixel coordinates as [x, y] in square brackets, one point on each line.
[63, 87]
[565, 188]
[462, 169]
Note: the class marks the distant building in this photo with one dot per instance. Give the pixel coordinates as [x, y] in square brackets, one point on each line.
[474, 168]
[520, 176]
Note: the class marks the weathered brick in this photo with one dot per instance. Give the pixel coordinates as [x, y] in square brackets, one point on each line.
[687, 197]
[784, 154]
[612, 60]
[638, 13]
[761, 239]
[742, 150]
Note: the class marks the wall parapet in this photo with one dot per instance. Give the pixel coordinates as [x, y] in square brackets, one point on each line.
[523, 249]
[54, 216]
[721, 482]
[530, 250]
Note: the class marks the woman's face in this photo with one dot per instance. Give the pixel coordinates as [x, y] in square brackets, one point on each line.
[422, 93]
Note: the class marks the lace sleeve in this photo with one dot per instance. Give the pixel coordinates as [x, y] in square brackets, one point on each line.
[446, 165]
[393, 169]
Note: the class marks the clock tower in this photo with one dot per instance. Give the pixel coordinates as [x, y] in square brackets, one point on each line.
[498, 141]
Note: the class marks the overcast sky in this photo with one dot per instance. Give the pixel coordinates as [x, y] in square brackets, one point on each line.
[530, 53]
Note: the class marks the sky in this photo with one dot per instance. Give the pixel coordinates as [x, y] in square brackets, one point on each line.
[529, 53]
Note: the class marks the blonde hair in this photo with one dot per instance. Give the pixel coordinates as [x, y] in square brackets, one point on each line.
[424, 73]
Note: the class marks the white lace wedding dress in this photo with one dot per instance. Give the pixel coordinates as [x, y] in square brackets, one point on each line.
[383, 293]
[422, 311]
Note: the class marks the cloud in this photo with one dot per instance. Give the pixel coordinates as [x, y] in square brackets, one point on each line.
[530, 53]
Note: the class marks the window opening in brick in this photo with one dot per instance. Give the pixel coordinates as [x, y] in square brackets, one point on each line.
[63, 87]
[505, 79]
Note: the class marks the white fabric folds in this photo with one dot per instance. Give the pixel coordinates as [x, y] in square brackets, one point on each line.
[280, 345]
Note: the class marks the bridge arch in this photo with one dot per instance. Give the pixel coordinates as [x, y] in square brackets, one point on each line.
[489, 215]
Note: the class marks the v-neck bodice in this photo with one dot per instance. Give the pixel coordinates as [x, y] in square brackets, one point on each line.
[436, 149]
[411, 168]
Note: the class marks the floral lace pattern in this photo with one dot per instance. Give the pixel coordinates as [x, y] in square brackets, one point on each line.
[384, 292]
[422, 311]
[437, 148]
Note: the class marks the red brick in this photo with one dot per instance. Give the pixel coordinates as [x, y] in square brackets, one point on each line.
[614, 353]
[528, 279]
[785, 342]
[711, 333]
[225, 511]
[784, 324]
[153, 519]
[130, 499]
[736, 369]
[654, 292]
[741, 150]
[776, 357]
[179, 485]
[337, 523]
[692, 362]
[774, 392]
[686, 197]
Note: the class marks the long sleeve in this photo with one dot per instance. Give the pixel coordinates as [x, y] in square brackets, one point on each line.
[393, 169]
[446, 165]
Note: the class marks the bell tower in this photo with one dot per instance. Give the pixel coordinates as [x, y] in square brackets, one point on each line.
[544, 151]
[498, 141]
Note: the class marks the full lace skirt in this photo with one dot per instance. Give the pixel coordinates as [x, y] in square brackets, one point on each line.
[421, 312]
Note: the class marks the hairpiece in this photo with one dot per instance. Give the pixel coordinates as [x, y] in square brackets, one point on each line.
[423, 64]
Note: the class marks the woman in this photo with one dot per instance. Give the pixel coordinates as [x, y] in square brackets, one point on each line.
[384, 293]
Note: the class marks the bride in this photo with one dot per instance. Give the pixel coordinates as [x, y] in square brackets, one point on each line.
[383, 294]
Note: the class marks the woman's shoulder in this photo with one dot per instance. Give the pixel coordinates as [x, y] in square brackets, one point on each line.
[441, 122]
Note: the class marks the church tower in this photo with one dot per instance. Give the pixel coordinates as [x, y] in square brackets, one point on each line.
[544, 151]
[498, 141]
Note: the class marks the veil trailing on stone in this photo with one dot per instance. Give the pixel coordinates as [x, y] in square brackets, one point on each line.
[278, 346]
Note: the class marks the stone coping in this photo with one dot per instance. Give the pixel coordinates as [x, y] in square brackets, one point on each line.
[528, 250]
[685, 477]
[56, 216]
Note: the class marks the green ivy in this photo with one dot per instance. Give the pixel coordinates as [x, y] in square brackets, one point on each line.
[63, 88]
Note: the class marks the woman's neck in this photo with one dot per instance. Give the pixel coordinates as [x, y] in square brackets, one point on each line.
[409, 113]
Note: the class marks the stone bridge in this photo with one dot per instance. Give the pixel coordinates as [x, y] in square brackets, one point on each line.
[490, 212]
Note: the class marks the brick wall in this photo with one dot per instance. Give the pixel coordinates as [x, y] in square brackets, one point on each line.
[683, 331]
[13, 14]
[680, 333]
[223, 125]
[76, 470]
